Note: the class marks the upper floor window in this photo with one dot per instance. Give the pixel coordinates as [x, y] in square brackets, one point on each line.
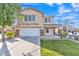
[30, 18]
[48, 20]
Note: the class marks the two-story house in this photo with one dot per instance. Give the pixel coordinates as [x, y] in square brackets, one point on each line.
[35, 23]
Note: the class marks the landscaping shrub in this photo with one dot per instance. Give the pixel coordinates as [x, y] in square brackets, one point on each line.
[10, 34]
[60, 34]
[63, 34]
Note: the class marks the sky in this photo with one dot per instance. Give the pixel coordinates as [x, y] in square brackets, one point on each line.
[64, 13]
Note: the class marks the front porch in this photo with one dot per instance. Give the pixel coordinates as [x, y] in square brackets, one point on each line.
[50, 31]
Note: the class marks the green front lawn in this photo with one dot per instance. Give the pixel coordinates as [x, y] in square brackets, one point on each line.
[59, 47]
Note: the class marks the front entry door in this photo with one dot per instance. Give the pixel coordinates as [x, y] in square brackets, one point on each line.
[47, 31]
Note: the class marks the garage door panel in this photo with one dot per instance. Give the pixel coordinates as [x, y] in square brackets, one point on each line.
[29, 32]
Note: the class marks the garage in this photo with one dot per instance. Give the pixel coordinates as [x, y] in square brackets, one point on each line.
[29, 32]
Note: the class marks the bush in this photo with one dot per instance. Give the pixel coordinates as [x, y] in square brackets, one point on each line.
[63, 34]
[10, 34]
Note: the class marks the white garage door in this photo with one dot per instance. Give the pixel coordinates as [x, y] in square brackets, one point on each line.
[29, 32]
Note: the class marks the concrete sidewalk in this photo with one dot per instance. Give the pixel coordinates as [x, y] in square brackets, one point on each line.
[21, 47]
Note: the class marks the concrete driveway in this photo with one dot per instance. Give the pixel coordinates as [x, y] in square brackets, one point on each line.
[24, 46]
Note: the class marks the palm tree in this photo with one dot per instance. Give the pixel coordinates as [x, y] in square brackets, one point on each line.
[8, 13]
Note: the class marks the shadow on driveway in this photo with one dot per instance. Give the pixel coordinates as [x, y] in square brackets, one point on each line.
[12, 40]
[32, 39]
[4, 50]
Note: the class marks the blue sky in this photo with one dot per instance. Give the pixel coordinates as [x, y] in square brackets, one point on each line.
[62, 12]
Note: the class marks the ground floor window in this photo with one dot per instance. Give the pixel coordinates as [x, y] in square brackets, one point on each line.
[47, 30]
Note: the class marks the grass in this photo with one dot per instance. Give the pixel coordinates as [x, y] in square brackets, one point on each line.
[59, 47]
[47, 52]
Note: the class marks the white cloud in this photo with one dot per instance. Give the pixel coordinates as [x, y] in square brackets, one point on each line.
[50, 4]
[76, 9]
[69, 17]
[63, 10]
[74, 5]
[68, 14]
[59, 4]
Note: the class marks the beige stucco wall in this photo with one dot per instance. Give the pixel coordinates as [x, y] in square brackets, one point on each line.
[39, 18]
[56, 30]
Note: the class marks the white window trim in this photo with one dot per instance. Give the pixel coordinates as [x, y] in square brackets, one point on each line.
[48, 22]
[30, 21]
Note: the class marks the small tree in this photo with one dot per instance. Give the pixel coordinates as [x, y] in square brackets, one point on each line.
[8, 12]
[7, 15]
[62, 34]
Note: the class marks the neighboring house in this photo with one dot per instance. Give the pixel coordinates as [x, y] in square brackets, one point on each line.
[36, 24]
[68, 28]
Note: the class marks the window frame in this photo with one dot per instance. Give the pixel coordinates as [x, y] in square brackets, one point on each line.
[30, 18]
[48, 20]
